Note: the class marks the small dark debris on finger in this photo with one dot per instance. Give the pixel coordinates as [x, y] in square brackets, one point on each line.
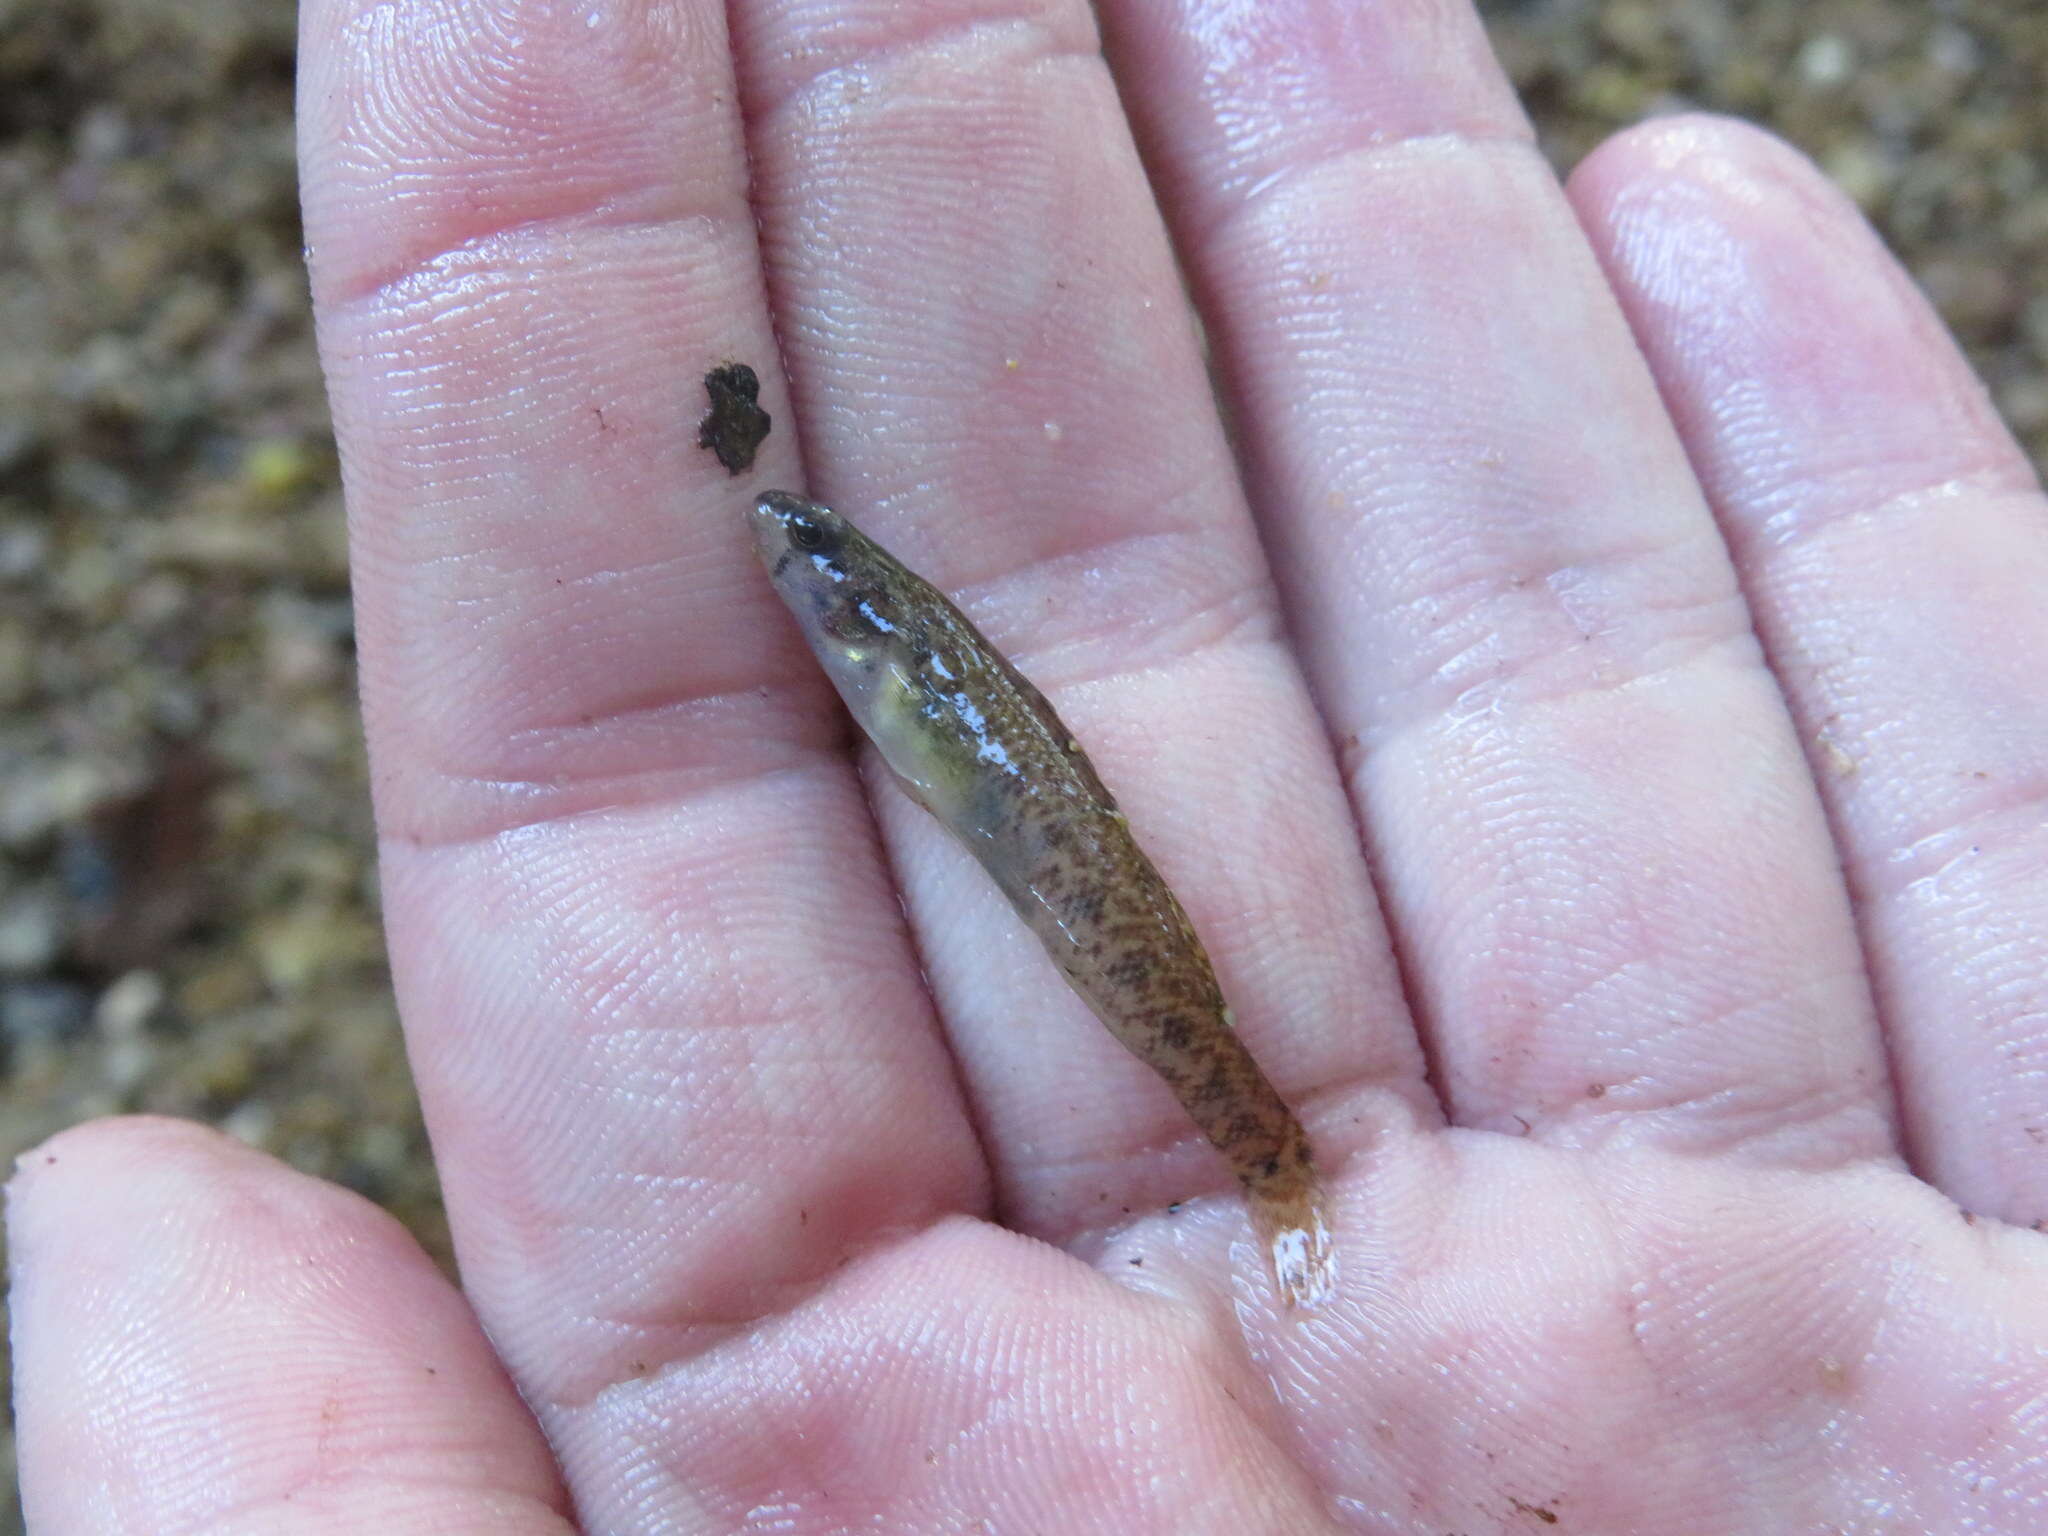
[735, 425]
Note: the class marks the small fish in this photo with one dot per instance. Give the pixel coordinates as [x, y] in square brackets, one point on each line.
[981, 749]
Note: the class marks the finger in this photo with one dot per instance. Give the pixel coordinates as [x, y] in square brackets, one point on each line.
[1592, 824]
[989, 347]
[666, 1027]
[205, 1340]
[1892, 542]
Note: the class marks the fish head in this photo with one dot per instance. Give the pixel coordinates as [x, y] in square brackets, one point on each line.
[861, 611]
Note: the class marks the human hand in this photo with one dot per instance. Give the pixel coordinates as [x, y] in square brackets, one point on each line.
[769, 1232]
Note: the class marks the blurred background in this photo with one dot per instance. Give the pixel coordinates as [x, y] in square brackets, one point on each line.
[188, 907]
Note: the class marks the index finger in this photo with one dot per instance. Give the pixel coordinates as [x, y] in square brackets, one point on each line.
[667, 1029]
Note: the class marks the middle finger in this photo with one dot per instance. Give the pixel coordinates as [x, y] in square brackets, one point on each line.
[987, 343]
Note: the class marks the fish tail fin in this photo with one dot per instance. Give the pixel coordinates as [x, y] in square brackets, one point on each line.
[1293, 1228]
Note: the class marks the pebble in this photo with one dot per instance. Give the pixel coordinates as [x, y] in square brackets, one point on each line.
[31, 931]
[1827, 59]
[129, 1004]
[43, 1012]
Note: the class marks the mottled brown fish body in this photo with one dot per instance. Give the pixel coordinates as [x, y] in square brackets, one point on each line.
[980, 748]
[1081, 883]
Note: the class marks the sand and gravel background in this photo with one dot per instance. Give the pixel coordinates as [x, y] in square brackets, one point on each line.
[188, 910]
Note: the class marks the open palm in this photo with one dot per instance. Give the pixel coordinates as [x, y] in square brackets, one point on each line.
[1627, 592]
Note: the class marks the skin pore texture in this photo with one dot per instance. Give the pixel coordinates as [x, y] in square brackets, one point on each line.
[1589, 703]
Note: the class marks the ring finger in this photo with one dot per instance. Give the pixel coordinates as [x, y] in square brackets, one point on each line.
[1595, 831]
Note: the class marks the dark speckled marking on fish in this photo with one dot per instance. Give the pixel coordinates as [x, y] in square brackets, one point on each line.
[982, 750]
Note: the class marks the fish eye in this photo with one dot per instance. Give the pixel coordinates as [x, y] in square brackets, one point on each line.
[804, 532]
